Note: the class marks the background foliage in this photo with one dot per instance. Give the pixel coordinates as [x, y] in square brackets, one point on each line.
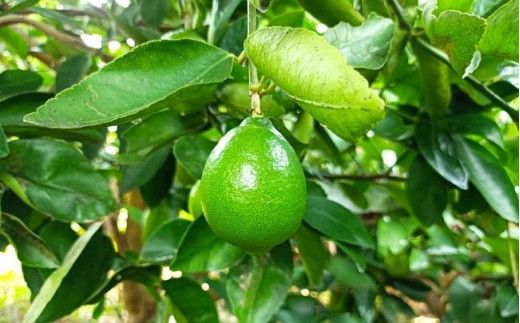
[99, 186]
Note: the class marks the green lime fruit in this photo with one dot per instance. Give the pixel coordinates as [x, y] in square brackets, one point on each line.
[253, 188]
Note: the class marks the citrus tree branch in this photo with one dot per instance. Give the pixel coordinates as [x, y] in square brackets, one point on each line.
[53, 32]
[472, 81]
[253, 75]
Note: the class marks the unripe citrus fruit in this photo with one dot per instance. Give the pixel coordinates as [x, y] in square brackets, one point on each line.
[253, 188]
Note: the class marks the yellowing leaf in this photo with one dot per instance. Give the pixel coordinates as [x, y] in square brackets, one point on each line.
[316, 75]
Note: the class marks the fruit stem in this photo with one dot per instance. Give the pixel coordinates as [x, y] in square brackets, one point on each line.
[253, 75]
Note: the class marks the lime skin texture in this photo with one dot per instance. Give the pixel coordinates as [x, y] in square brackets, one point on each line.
[253, 189]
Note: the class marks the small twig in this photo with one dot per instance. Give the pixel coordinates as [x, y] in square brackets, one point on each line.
[46, 59]
[53, 32]
[253, 75]
[369, 177]
[435, 52]
[269, 90]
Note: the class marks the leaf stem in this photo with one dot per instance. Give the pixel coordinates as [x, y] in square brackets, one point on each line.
[253, 75]
[435, 52]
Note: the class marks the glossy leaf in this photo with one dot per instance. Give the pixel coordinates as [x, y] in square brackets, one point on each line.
[72, 71]
[449, 34]
[19, 81]
[221, 12]
[346, 272]
[489, 176]
[59, 180]
[321, 82]
[431, 143]
[158, 187]
[136, 175]
[462, 294]
[163, 244]
[366, 46]
[477, 124]
[427, 192]
[16, 107]
[119, 92]
[336, 222]
[157, 130]
[40, 309]
[392, 238]
[257, 294]
[201, 250]
[31, 249]
[507, 300]
[501, 36]
[192, 152]
[331, 12]
[191, 303]
[312, 253]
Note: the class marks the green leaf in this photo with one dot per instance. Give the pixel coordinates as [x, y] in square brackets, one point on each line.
[331, 12]
[333, 220]
[56, 16]
[72, 71]
[484, 8]
[233, 40]
[18, 81]
[312, 253]
[427, 192]
[150, 77]
[45, 307]
[59, 180]
[201, 250]
[508, 71]
[450, 33]
[158, 187]
[501, 36]
[477, 124]
[190, 302]
[221, 12]
[14, 42]
[16, 107]
[192, 152]
[489, 176]
[366, 46]
[31, 249]
[235, 95]
[356, 254]
[346, 272]
[462, 295]
[136, 175]
[154, 11]
[4, 146]
[20, 5]
[257, 294]
[315, 74]
[507, 300]
[431, 143]
[163, 244]
[157, 130]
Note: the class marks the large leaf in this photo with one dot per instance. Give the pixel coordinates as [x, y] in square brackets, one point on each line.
[58, 179]
[258, 293]
[315, 74]
[18, 81]
[13, 110]
[365, 46]
[14, 41]
[312, 253]
[335, 221]
[450, 33]
[162, 245]
[89, 268]
[148, 78]
[431, 143]
[489, 176]
[192, 152]
[202, 250]
[501, 36]
[31, 249]
[190, 302]
[427, 192]
[477, 124]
